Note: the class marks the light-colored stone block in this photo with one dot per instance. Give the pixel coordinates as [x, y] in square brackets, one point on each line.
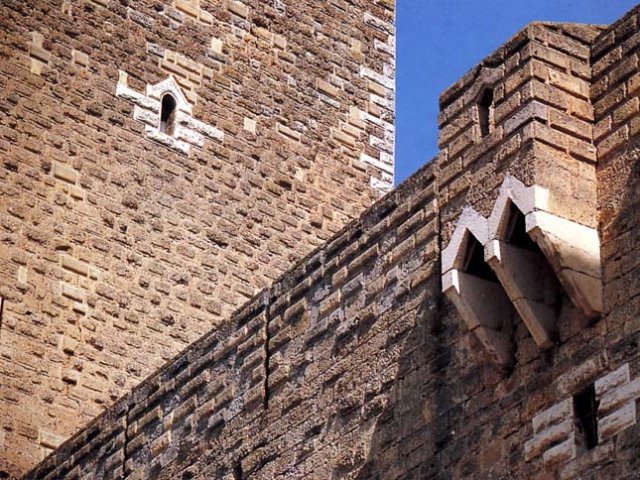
[553, 434]
[562, 452]
[250, 125]
[617, 421]
[552, 415]
[620, 395]
[612, 380]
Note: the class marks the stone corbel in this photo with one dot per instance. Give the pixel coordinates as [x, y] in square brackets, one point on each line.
[525, 275]
[528, 279]
[482, 304]
[571, 249]
[529, 286]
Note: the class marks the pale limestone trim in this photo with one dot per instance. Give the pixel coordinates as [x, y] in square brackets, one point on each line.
[554, 434]
[617, 395]
[481, 305]
[170, 86]
[469, 221]
[380, 108]
[527, 199]
[518, 270]
[572, 253]
[188, 131]
[572, 249]
[529, 285]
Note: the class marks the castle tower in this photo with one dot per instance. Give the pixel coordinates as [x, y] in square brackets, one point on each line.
[162, 162]
[479, 322]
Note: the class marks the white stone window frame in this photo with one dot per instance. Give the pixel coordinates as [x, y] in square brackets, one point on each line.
[554, 429]
[188, 131]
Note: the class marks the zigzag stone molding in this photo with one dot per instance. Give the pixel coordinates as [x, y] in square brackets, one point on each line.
[570, 253]
[188, 131]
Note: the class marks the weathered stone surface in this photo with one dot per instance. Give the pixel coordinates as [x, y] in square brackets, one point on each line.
[352, 364]
[134, 242]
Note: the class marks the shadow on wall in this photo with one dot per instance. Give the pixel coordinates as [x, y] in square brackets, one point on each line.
[421, 432]
[619, 185]
[416, 418]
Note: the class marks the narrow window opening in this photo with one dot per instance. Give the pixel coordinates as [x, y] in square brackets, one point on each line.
[1, 315]
[585, 408]
[238, 474]
[474, 263]
[485, 111]
[168, 114]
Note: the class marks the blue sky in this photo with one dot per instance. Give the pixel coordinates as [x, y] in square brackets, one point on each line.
[439, 40]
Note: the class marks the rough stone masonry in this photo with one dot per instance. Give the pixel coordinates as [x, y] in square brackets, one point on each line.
[161, 163]
[480, 321]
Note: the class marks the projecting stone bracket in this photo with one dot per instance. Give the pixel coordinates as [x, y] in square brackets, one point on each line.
[526, 278]
[188, 131]
[573, 251]
[529, 285]
[482, 304]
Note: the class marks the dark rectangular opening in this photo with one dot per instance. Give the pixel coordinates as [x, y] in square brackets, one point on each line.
[516, 233]
[585, 407]
[1, 314]
[474, 263]
[484, 111]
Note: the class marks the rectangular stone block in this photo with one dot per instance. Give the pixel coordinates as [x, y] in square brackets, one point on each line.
[72, 292]
[561, 453]
[531, 111]
[617, 421]
[190, 7]
[74, 265]
[612, 380]
[327, 88]
[238, 8]
[64, 173]
[545, 438]
[555, 414]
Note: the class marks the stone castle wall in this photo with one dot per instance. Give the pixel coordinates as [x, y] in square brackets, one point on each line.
[355, 365]
[122, 244]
